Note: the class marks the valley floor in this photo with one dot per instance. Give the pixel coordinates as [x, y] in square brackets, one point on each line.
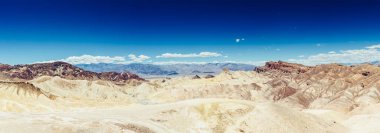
[196, 115]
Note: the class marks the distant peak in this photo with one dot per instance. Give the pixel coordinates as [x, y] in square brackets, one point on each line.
[283, 67]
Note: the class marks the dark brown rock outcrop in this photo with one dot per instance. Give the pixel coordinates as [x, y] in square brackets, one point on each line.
[284, 67]
[209, 76]
[63, 70]
[4, 67]
[196, 77]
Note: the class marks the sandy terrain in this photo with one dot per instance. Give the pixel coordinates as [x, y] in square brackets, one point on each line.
[197, 115]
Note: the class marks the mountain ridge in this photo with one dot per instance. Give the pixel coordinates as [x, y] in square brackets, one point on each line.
[167, 70]
[61, 69]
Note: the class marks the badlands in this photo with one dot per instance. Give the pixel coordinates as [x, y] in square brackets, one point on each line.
[279, 97]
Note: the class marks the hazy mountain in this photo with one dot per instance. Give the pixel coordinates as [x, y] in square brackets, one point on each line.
[375, 63]
[145, 69]
[355, 64]
[173, 69]
[208, 68]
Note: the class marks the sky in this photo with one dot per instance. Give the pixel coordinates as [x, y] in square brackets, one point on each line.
[189, 31]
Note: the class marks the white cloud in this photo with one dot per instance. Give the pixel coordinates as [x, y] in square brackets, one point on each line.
[374, 46]
[193, 55]
[301, 56]
[368, 54]
[140, 58]
[239, 39]
[90, 59]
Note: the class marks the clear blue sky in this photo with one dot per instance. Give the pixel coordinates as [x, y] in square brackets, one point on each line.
[41, 30]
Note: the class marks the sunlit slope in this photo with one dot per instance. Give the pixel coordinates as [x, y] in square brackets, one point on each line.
[197, 115]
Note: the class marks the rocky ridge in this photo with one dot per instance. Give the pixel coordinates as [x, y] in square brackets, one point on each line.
[61, 69]
[283, 67]
[328, 86]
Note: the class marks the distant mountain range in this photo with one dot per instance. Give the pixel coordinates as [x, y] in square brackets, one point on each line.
[60, 69]
[375, 63]
[145, 69]
[172, 69]
[372, 63]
